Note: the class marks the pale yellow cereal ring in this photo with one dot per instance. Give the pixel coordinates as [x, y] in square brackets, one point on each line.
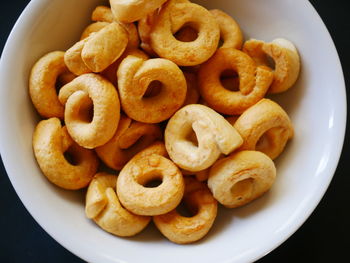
[42, 84]
[184, 230]
[103, 206]
[254, 81]
[128, 11]
[132, 187]
[134, 77]
[50, 143]
[130, 138]
[93, 28]
[79, 96]
[241, 178]
[230, 33]
[265, 127]
[285, 58]
[214, 135]
[172, 17]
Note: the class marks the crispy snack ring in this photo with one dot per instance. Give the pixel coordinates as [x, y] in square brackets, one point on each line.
[214, 135]
[93, 28]
[50, 143]
[78, 96]
[103, 206]
[265, 127]
[128, 11]
[254, 81]
[286, 61]
[134, 77]
[241, 178]
[172, 17]
[183, 230]
[42, 81]
[130, 138]
[230, 33]
[146, 167]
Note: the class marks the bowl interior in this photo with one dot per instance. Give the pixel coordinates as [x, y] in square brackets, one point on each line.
[316, 105]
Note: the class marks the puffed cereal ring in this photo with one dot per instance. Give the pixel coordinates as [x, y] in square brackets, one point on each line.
[142, 200]
[132, 10]
[183, 230]
[172, 17]
[130, 138]
[214, 135]
[265, 127]
[254, 81]
[93, 28]
[78, 96]
[42, 81]
[134, 77]
[50, 143]
[241, 178]
[73, 59]
[285, 57]
[230, 33]
[103, 206]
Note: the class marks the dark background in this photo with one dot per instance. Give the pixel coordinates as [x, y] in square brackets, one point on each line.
[322, 238]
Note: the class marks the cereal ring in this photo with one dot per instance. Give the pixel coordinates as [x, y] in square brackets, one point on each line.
[241, 178]
[157, 147]
[103, 206]
[130, 138]
[42, 81]
[172, 17]
[183, 230]
[214, 136]
[254, 81]
[134, 77]
[78, 96]
[73, 59]
[285, 58]
[192, 95]
[50, 143]
[142, 200]
[93, 28]
[103, 14]
[230, 33]
[133, 10]
[265, 127]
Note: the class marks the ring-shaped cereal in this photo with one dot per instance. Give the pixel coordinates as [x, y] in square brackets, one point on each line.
[254, 81]
[130, 138]
[42, 81]
[93, 28]
[285, 57]
[265, 127]
[134, 77]
[213, 133]
[103, 206]
[78, 96]
[230, 33]
[50, 143]
[73, 59]
[241, 178]
[184, 230]
[172, 17]
[128, 11]
[142, 200]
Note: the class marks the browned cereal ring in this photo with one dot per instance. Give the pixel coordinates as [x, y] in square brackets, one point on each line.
[132, 10]
[93, 28]
[42, 81]
[214, 135]
[230, 33]
[103, 206]
[130, 138]
[50, 143]
[142, 200]
[241, 178]
[254, 81]
[265, 127]
[285, 57]
[184, 230]
[134, 77]
[172, 17]
[78, 96]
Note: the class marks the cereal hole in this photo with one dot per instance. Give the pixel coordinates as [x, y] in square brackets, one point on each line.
[186, 211]
[154, 88]
[242, 189]
[229, 80]
[187, 33]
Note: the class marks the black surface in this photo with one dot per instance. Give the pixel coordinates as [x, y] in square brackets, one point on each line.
[323, 237]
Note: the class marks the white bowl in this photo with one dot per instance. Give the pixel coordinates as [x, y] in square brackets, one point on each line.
[317, 107]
